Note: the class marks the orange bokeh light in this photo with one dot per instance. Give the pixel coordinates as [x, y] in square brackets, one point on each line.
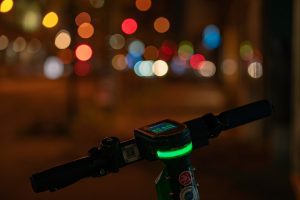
[66, 56]
[161, 24]
[85, 30]
[83, 17]
[143, 5]
[83, 52]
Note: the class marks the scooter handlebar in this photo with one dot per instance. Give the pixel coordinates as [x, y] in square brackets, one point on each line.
[66, 174]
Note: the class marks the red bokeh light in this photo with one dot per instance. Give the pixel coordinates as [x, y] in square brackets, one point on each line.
[167, 50]
[129, 26]
[82, 68]
[195, 60]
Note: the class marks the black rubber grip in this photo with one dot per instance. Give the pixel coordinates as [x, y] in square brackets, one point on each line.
[245, 114]
[64, 175]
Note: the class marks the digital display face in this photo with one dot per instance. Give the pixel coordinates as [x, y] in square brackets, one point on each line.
[161, 127]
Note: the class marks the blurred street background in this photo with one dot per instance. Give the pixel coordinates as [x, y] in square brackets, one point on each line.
[75, 72]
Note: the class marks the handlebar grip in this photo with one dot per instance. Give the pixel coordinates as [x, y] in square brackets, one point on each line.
[245, 114]
[64, 175]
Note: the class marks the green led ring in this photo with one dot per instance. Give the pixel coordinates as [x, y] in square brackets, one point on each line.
[171, 154]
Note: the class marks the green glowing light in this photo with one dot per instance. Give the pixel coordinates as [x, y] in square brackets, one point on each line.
[175, 153]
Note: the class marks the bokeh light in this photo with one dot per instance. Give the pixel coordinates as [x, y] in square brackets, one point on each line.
[132, 60]
[185, 50]
[151, 53]
[167, 50]
[161, 25]
[3, 42]
[31, 20]
[255, 70]
[83, 52]
[66, 56]
[117, 41]
[6, 6]
[211, 37]
[143, 5]
[97, 3]
[207, 69]
[229, 66]
[195, 60]
[129, 26]
[34, 46]
[85, 30]
[82, 17]
[50, 20]
[19, 44]
[136, 48]
[53, 68]
[246, 51]
[82, 68]
[160, 68]
[62, 39]
[119, 62]
[144, 68]
[178, 66]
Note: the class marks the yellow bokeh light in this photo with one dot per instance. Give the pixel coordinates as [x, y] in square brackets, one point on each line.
[85, 30]
[50, 20]
[6, 6]
[161, 24]
[62, 39]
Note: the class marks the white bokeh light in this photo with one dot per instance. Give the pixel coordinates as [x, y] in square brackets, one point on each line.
[53, 68]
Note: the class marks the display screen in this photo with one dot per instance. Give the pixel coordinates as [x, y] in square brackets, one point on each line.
[161, 127]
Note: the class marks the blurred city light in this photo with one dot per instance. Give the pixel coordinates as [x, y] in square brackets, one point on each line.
[129, 26]
[167, 50]
[97, 3]
[178, 66]
[85, 30]
[117, 41]
[66, 56]
[31, 20]
[246, 51]
[151, 53]
[195, 60]
[161, 25]
[82, 68]
[50, 20]
[211, 37]
[207, 69]
[62, 39]
[119, 62]
[53, 68]
[34, 46]
[229, 66]
[255, 70]
[185, 50]
[144, 68]
[6, 6]
[136, 48]
[3, 42]
[19, 44]
[83, 52]
[82, 17]
[132, 60]
[160, 68]
[143, 5]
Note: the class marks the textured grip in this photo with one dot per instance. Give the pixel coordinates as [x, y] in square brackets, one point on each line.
[64, 175]
[245, 114]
